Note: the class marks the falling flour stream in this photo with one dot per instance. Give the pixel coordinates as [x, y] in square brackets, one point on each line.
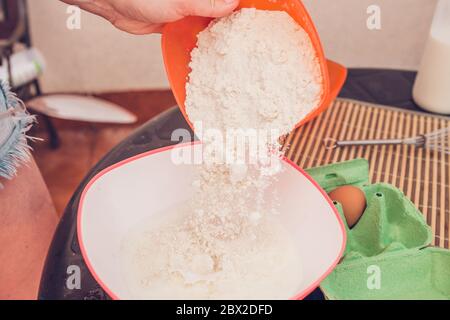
[254, 76]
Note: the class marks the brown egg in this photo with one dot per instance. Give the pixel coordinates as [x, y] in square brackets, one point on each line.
[353, 201]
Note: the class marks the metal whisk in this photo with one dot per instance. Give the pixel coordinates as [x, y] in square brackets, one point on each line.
[437, 140]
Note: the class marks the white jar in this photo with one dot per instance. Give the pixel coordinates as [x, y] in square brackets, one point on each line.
[432, 87]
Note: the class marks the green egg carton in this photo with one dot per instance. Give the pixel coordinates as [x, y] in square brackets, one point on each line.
[387, 254]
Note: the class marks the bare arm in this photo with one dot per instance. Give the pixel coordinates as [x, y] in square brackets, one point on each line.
[148, 16]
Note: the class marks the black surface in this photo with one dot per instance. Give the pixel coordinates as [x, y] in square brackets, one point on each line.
[386, 87]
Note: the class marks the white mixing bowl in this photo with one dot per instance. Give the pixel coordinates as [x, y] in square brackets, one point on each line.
[120, 197]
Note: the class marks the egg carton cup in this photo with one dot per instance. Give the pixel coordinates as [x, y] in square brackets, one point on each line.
[388, 253]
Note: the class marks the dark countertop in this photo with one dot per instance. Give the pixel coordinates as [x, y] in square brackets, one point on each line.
[387, 87]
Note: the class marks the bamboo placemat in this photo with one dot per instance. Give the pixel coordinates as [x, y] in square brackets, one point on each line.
[423, 175]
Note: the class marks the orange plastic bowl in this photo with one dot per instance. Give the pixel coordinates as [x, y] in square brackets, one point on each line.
[180, 37]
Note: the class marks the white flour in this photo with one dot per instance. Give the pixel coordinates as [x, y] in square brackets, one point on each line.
[166, 261]
[252, 70]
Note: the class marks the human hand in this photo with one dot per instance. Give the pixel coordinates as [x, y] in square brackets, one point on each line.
[148, 16]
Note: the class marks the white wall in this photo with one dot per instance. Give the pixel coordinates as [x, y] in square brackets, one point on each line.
[96, 58]
[346, 38]
[100, 58]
